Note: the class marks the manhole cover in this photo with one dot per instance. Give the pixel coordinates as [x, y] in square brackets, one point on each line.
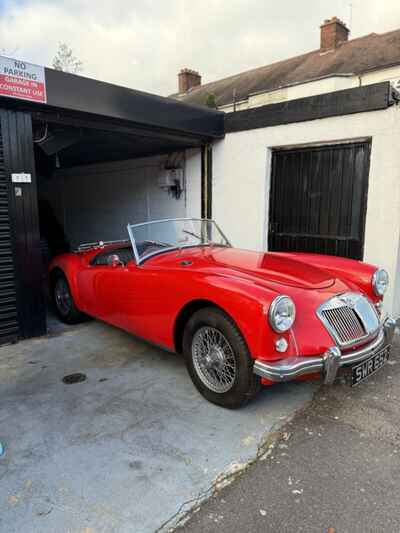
[74, 378]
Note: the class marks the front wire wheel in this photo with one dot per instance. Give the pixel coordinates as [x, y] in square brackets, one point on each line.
[218, 360]
[213, 359]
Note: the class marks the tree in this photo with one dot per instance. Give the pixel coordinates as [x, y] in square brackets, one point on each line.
[66, 61]
[211, 101]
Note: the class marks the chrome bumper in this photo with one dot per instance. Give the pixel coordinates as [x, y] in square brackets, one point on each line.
[327, 364]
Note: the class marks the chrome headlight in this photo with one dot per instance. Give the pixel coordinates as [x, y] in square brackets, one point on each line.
[380, 281]
[282, 313]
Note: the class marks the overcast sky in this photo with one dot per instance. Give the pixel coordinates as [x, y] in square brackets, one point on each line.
[144, 43]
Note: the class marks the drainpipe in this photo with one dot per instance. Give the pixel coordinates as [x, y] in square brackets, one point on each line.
[206, 181]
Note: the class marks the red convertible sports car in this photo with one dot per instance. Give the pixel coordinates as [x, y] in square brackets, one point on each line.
[241, 318]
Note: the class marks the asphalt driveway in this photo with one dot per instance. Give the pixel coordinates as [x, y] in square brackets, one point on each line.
[335, 468]
[127, 450]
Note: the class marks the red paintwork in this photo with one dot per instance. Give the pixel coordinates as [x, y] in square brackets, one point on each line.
[146, 300]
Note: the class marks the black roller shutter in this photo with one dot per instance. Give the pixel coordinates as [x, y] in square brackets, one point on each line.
[23, 225]
[8, 298]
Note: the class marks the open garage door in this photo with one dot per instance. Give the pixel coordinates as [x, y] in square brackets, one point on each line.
[318, 199]
[92, 182]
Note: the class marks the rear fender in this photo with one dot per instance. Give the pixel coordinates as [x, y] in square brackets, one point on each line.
[70, 265]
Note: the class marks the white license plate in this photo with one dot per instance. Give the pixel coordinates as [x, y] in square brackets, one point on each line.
[369, 366]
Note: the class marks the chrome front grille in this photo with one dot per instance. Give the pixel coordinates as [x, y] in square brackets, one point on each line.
[346, 324]
[349, 318]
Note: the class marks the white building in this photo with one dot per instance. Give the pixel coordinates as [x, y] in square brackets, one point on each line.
[310, 160]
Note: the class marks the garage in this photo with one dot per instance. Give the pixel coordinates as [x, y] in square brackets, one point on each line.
[79, 159]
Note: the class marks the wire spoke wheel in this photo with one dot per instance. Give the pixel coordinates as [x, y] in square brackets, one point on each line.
[213, 359]
[63, 296]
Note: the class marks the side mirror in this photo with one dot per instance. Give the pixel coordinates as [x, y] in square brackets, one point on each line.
[114, 261]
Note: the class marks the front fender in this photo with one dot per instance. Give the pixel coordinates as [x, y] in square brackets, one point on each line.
[248, 305]
[357, 274]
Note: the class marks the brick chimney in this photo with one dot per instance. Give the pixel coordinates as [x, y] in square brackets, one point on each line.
[333, 33]
[187, 79]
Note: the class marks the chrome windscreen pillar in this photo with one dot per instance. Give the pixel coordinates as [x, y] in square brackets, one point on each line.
[331, 364]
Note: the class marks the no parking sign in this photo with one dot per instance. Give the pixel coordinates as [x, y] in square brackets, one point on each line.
[19, 79]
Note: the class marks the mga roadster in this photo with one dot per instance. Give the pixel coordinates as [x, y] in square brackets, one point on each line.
[241, 318]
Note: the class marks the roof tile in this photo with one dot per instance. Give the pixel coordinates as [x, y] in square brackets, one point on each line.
[352, 57]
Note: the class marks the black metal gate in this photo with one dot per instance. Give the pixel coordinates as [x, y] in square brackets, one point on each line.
[8, 297]
[318, 199]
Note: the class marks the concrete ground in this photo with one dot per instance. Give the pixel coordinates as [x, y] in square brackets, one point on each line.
[334, 468]
[129, 449]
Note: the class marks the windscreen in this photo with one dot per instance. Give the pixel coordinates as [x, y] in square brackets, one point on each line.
[151, 238]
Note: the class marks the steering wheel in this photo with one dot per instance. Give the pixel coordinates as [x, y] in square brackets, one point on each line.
[114, 260]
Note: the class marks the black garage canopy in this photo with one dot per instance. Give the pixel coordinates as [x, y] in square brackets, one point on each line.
[77, 93]
[89, 121]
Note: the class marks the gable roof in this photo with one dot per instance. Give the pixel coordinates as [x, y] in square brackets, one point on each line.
[357, 56]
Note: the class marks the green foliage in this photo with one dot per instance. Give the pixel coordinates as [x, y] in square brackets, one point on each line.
[211, 101]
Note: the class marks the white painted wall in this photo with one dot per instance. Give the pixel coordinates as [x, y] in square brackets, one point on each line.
[241, 178]
[96, 202]
[391, 74]
[293, 92]
[193, 189]
[302, 90]
[315, 87]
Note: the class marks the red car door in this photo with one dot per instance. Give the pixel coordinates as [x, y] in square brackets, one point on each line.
[92, 282]
[116, 294]
[138, 301]
[118, 290]
[134, 298]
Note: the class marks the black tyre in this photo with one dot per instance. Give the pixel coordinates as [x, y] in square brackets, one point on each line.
[218, 359]
[64, 302]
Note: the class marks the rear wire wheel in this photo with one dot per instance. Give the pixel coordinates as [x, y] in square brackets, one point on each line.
[218, 360]
[64, 302]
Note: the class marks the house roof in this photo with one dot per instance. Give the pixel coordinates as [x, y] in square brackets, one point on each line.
[356, 56]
